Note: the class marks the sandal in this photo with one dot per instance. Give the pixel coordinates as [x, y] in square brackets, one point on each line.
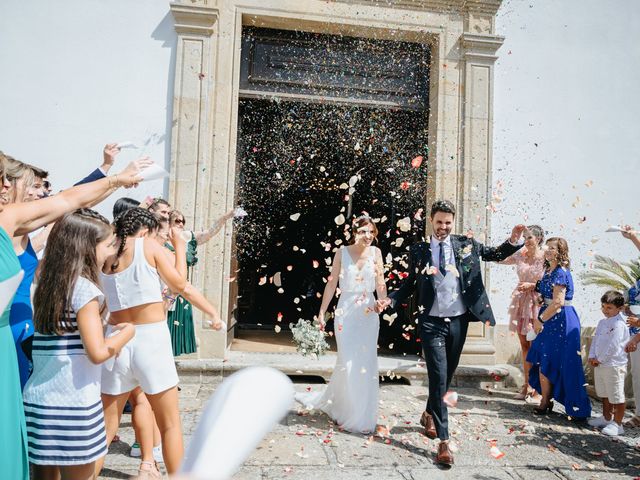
[523, 393]
[148, 470]
[544, 409]
[633, 422]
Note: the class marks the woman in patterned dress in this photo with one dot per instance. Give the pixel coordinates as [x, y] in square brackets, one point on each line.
[525, 301]
[63, 407]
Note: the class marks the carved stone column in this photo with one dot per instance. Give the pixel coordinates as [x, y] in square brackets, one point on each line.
[192, 142]
[479, 56]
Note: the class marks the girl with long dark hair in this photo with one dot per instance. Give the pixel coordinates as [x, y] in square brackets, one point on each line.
[62, 401]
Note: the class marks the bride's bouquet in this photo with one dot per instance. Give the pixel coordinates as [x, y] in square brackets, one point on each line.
[309, 339]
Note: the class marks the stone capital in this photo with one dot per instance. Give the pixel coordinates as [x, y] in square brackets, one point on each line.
[477, 46]
[193, 19]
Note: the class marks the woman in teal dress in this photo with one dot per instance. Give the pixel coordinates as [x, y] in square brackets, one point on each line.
[180, 315]
[18, 219]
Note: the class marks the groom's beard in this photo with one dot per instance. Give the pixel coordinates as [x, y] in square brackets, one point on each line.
[442, 234]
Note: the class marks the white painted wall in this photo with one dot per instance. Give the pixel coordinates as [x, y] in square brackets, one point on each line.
[81, 73]
[566, 80]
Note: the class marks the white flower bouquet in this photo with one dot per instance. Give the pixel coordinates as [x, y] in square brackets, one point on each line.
[309, 339]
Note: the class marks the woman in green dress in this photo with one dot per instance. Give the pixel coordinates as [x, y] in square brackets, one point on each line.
[180, 315]
[19, 219]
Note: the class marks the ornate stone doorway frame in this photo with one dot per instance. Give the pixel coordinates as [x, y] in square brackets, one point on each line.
[463, 43]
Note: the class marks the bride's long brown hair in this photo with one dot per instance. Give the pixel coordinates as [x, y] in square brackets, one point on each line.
[70, 253]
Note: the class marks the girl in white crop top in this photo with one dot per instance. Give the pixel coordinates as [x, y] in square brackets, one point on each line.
[131, 280]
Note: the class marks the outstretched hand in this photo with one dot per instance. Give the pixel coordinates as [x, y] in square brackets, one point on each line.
[130, 176]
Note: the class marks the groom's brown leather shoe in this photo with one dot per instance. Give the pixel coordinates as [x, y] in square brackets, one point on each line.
[444, 457]
[429, 426]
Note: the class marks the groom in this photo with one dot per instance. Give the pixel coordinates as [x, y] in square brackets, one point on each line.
[445, 273]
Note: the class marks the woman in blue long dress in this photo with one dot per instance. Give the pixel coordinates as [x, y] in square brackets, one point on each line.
[557, 372]
[21, 316]
[24, 188]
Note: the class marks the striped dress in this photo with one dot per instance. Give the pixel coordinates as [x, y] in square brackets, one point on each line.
[63, 410]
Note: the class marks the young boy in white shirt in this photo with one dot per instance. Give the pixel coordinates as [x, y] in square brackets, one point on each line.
[609, 359]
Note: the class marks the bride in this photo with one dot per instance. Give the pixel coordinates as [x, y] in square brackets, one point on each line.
[351, 398]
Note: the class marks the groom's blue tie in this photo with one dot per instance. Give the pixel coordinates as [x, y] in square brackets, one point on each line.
[441, 261]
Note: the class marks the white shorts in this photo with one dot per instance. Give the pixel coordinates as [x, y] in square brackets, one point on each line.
[146, 361]
[609, 382]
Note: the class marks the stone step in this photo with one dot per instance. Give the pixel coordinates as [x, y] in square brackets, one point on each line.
[410, 368]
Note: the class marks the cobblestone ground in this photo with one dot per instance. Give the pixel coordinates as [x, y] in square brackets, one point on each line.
[308, 446]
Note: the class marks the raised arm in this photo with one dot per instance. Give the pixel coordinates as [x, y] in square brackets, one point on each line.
[174, 274]
[206, 235]
[98, 348]
[631, 235]
[330, 287]
[21, 218]
[108, 159]
[503, 251]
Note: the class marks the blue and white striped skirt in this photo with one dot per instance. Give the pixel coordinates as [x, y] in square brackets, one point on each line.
[65, 435]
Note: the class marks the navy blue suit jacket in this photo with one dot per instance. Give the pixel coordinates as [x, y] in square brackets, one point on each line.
[92, 177]
[468, 253]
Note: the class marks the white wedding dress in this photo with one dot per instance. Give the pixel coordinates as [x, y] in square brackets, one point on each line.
[351, 398]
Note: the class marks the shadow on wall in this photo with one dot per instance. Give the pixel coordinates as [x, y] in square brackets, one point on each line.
[166, 33]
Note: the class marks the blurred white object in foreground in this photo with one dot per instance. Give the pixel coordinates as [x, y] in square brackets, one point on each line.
[242, 410]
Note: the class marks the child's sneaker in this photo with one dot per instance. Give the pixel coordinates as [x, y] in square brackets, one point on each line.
[157, 454]
[613, 429]
[599, 422]
[135, 450]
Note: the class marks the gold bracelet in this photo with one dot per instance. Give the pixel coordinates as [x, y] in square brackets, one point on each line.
[113, 182]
